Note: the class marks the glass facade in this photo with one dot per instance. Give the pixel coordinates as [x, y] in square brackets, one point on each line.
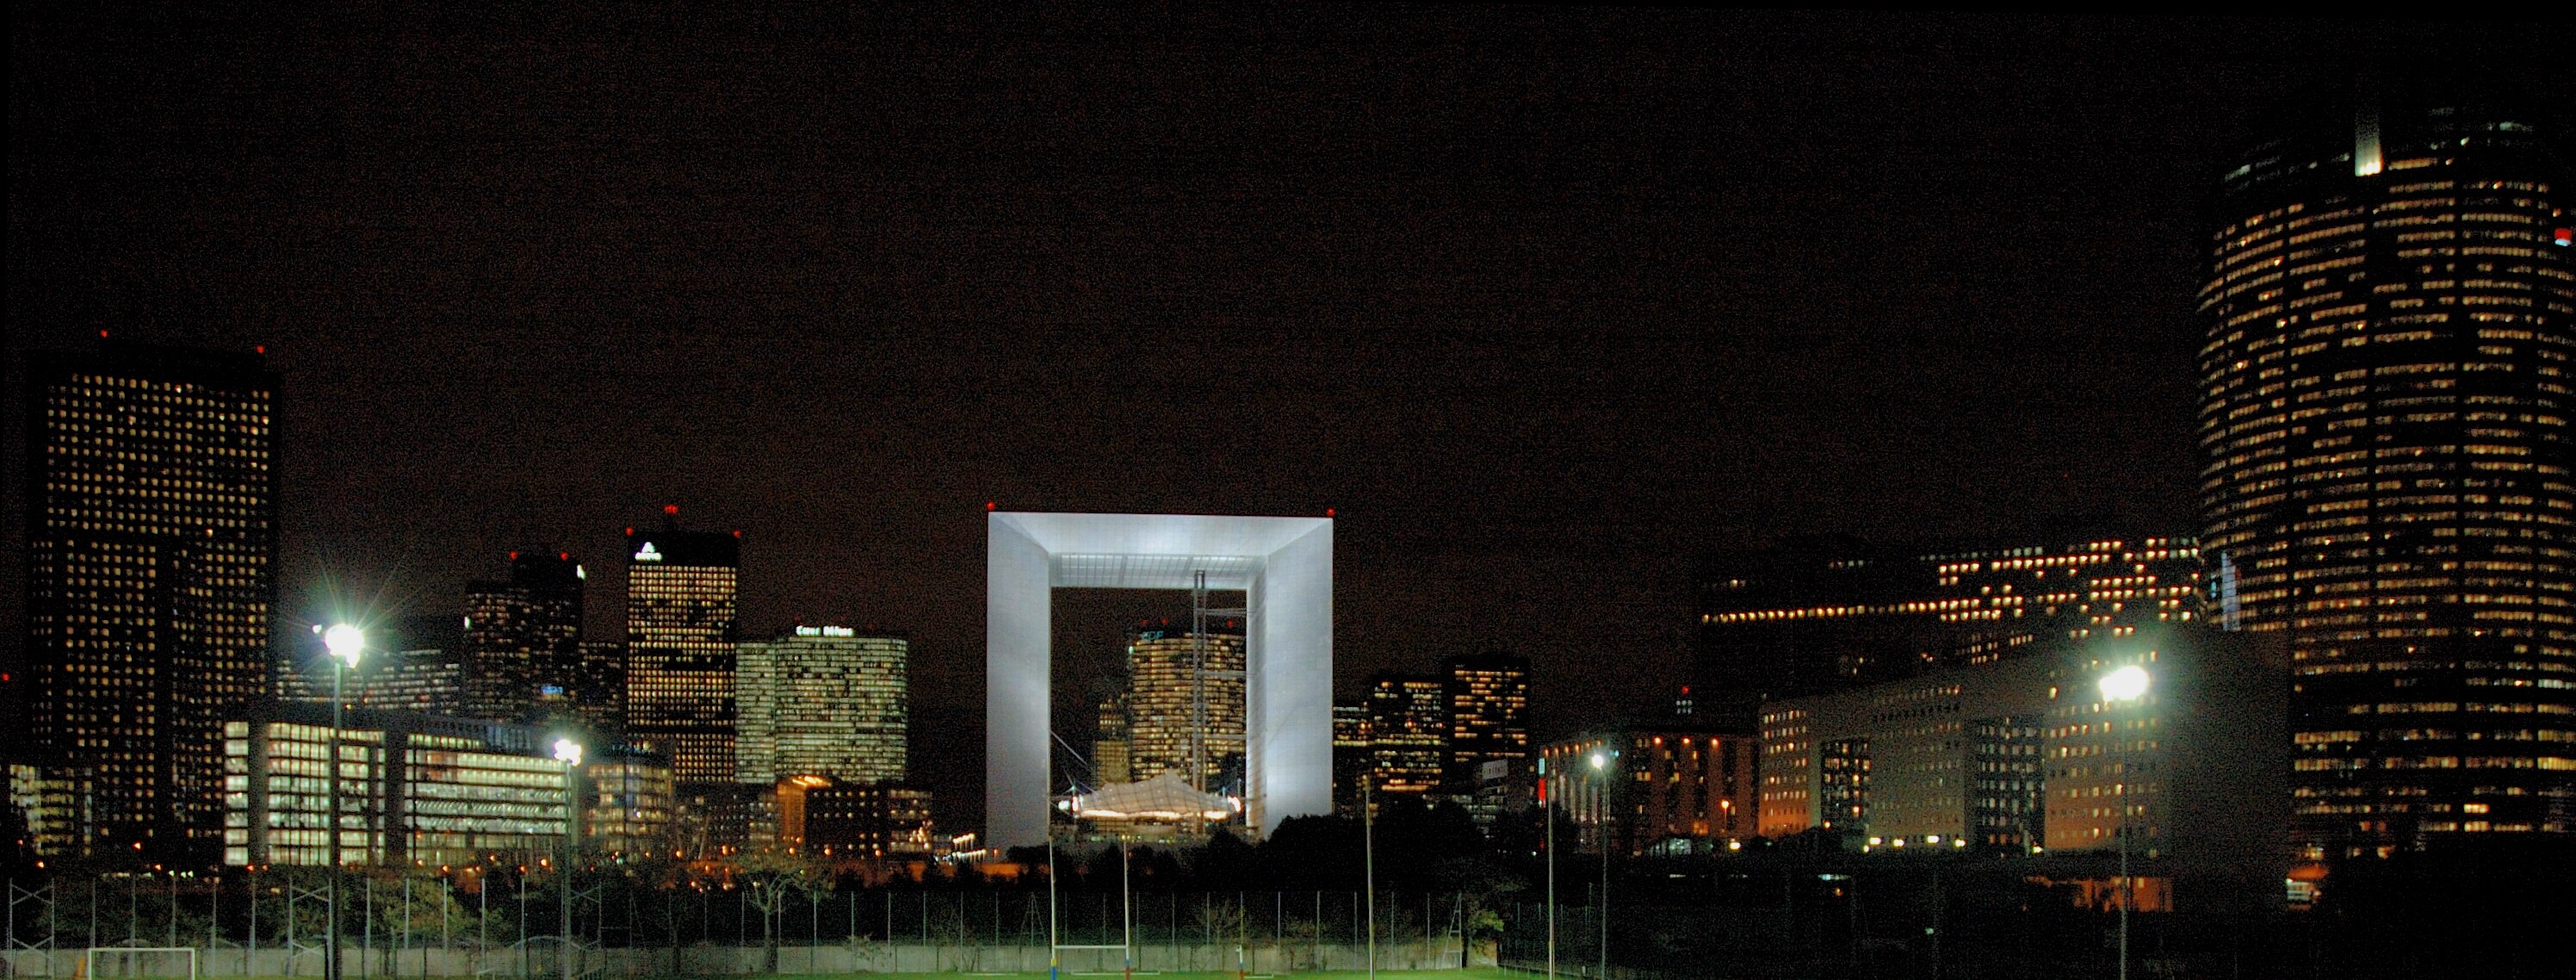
[823, 701]
[523, 639]
[421, 789]
[150, 584]
[1408, 734]
[1164, 689]
[2388, 312]
[680, 607]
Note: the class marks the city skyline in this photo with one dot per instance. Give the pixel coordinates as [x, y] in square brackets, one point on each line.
[1587, 363]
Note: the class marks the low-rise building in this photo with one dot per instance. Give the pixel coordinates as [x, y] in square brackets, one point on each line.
[2028, 754]
[422, 788]
[1654, 789]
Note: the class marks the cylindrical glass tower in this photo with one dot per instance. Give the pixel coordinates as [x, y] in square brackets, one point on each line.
[2388, 379]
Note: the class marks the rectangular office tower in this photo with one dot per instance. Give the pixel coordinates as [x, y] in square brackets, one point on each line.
[680, 589]
[523, 639]
[152, 529]
[823, 701]
[1488, 715]
[2390, 313]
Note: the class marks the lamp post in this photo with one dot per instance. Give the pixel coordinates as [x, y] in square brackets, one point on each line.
[1601, 836]
[1547, 816]
[2124, 686]
[344, 643]
[568, 752]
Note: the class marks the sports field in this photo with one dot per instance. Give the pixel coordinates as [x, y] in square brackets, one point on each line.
[1477, 973]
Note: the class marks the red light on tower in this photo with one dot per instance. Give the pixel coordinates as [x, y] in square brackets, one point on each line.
[671, 509]
[988, 505]
[1328, 512]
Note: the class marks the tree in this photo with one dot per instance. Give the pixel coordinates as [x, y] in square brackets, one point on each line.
[769, 876]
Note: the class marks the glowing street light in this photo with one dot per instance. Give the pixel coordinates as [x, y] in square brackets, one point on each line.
[2125, 684]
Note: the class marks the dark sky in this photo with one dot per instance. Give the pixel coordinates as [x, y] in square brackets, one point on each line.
[1545, 303]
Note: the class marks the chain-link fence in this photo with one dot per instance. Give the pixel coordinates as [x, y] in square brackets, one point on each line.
[633, 921]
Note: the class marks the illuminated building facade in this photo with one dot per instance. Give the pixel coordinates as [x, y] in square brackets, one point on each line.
[1831, 614]
[1164, 719]
[1110, 760]
[823, 701]
[1488, 715]
[522, 639]
[1657, 791]
[1408, 723]
[680, 607]
[1353, 758]
[421, 788]
[151, 544]
[2024, 755]
[2385, 441]
[1283, 566]
[868, 820]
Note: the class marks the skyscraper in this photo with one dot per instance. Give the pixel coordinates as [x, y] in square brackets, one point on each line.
[1488, 715]
[823, 701]
[523, 638]
[2386, 390]
[1408, 734]
[680, 589]
[1166, 724]
[150, 583]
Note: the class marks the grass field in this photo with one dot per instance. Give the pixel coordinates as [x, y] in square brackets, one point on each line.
[1477, 973]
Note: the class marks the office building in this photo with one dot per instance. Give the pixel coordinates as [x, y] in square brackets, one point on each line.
[523, 639]
[2390, 319]
[1830, 614]
[1408, 723]
[1184, 702]
[1488, 715]
[151, 588]
[876, 820]
[822, 701]
[600, 693]
[1659, 790]
[680, 607]
[2027, 755]
[422, 789]
[1353, 758]
[1110, 760]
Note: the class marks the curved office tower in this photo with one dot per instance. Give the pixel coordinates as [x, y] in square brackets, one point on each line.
[2387, 385]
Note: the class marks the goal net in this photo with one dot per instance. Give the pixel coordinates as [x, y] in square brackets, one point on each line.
[139, 963]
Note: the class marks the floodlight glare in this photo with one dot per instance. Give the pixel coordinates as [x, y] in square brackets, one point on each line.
[344, 641]
[568, 752]
[2125, 684]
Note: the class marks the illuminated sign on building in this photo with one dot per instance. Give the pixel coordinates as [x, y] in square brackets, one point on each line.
[647, 553]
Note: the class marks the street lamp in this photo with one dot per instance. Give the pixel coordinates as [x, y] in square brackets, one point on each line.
[345, 644]
[1601, 836]
[568, 752]
[1547, 819]
[2124, 686]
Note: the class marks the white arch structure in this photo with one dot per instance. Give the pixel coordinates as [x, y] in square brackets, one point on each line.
[1284, 565]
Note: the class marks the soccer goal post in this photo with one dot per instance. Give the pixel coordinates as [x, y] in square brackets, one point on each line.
[139, 963]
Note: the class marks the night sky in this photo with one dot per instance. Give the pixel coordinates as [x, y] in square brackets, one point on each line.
[1545, 304]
